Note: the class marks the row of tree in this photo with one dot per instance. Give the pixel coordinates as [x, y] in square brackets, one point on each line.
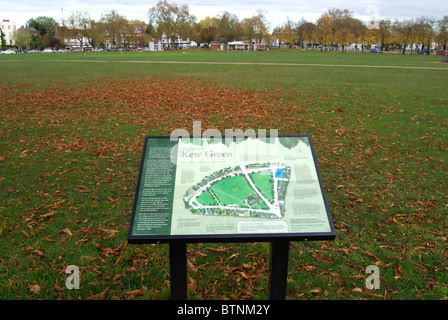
[340, 27]
[334, 27]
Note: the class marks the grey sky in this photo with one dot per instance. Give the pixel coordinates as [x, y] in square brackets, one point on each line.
[276, 12]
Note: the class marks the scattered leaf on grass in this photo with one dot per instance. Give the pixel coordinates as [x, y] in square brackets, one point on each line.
[49, 214]
[67, 231]
[34, 288]
[316, 290]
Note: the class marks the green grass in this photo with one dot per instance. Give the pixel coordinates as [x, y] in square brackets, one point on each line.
[232, 191]
[206, 199]
[264, 183]
[273, 56]
[71, 140]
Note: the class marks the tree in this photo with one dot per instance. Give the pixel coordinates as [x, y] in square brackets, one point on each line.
[2, 39]
[442, 32]
[424, 31]
[324, 28]
[209, 34]
[384, 33]
[43, 24]
[172, 19]
[38, 42]
[287, 32]
[78, 26]
[114, 25]
[405, 33]
[96, 35]
[345, 28]
[134, 33]
[255, 28]
[22, 38]
[209, 22]
[229, 27]
[305, 31]
[356, 31]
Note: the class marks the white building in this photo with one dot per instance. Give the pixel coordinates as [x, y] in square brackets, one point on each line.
[179, 44]
[8, 27]
[74, 44]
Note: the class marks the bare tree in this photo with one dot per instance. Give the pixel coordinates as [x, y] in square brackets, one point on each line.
[114, 26]
[172, 19]
[78, 25]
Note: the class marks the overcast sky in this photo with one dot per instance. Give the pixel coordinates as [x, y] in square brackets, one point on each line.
[276, 12]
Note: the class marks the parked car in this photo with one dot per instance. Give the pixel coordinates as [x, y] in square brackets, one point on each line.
[424, 51]
[442, 52]
[9, 51]
[374, 50]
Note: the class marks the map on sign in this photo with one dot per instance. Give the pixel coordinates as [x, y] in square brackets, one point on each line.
[254, 190]
[204, 188]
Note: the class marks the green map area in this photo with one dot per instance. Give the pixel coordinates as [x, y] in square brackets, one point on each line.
[255, 190]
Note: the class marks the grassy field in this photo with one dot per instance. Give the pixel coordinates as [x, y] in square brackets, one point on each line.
[264, 184]
[72, 131]
[232, 190]
[207, 199]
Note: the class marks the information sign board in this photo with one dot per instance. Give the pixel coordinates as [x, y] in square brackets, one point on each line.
[235, 189]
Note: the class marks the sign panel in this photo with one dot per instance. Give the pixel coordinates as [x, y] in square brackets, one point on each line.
[229, 189]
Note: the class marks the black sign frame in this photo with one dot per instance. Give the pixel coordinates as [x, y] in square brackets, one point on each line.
[241, 237]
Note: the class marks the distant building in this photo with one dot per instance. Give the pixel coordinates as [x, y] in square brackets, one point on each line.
[217, 46]
[180, 43]
[238, 45]
[31, 30]
[8, 27]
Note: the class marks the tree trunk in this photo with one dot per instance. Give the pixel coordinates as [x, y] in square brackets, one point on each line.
[403, 51]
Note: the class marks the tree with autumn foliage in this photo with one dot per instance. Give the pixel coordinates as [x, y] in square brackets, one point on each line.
[345, 29]
[325, 30]
[287, 32]
[404, 33]
[384, 33]
[424, 32]
[306, 31]
[255, 28]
